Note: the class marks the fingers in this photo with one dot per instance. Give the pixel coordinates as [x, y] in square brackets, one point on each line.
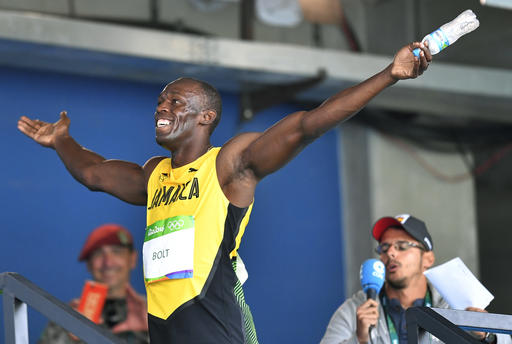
[35, 124]
[423, 62]
[476, 309]
[122, 327]
[413, 66]
[428, 55]
[477, 334]
[73, 337]
[424, 57]
[414, 45]
[410, 61]
[135, 303]
[133, 297]
[369, 303]
[368, 313]
[370, 317]
[422, 47]
[28, 126]
[74, 303]
[27, 121]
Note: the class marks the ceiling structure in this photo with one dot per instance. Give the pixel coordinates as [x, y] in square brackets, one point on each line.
[158, 41]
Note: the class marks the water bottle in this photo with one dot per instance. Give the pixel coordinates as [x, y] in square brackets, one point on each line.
[447, 34]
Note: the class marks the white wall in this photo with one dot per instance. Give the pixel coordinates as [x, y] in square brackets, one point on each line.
[381, 179]
[399, 184]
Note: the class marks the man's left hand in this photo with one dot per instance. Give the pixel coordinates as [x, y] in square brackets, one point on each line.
[137, 317]
[407, 66]
[478, 335]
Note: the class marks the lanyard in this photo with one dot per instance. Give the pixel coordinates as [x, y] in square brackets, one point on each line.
[393, 335]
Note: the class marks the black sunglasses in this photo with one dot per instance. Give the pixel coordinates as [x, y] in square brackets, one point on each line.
[398, 245]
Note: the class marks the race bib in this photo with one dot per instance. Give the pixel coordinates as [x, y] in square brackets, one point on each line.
[168, 251]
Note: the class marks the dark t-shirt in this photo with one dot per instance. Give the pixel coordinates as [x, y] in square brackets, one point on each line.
[397, 314]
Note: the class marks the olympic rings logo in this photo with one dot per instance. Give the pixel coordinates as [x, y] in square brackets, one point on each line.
[176, 224]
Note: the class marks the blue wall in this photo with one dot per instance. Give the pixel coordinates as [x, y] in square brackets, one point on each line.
[292, 246]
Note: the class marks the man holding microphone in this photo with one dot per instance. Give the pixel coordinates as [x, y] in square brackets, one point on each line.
[406, 250]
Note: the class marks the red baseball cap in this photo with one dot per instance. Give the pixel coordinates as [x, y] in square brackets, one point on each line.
[107, 234]
[412, 225]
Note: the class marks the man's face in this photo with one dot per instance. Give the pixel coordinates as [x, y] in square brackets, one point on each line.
[177, 113]
[112, 264]
[403, 266]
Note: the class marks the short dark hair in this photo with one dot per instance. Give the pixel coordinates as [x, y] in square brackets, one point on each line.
[211, 101]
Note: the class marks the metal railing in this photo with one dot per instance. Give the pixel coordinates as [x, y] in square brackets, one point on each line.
[450, 325]
[18, 292]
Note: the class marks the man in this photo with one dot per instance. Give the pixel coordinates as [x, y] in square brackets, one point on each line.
[198, 203]
[110, 258]
[405, 248]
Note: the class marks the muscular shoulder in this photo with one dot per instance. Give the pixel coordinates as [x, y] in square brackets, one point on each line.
[232, 171]
[238, 143]
[231, 154]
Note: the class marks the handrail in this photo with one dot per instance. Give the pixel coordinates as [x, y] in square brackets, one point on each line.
[18, 292]
[478, 321]
[449, 325]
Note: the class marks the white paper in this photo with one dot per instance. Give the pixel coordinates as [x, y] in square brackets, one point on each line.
[458, 286]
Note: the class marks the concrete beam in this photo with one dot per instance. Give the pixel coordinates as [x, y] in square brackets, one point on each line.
[66, 45]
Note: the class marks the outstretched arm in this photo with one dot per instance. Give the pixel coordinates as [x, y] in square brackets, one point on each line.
[124, 180]
[252, 157]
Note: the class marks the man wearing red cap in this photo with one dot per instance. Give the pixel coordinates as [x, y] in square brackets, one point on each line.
[110, 258]
[405, 247]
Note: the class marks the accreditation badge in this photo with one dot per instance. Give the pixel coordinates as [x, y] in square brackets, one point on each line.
[168, 251]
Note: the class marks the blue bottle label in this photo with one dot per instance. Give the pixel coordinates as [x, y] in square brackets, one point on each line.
[440, 39]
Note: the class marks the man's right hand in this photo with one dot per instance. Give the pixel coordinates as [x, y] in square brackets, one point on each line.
[44, 133]
[367, 315]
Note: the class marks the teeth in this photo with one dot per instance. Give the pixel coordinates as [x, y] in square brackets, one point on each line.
[162, 122]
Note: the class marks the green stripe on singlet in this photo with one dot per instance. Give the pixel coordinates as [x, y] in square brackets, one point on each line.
[250, 330]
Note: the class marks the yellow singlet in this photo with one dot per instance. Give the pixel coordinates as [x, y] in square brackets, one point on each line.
[191, 194]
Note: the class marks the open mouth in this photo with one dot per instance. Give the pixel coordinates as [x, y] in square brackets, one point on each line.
[162, 123]
[392, 267]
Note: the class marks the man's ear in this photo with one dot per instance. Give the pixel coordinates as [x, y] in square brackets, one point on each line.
[208, 116]
[428, 259]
